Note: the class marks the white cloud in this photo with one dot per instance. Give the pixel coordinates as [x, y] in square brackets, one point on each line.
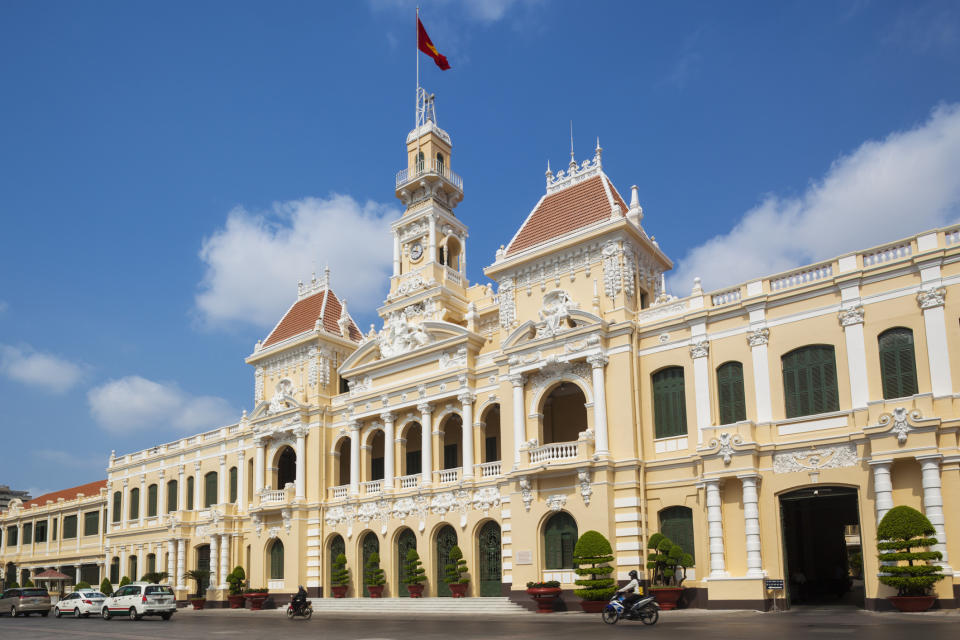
[885, 190]
[134, 403]
[253, 262]
[28, 366]
[478, 10]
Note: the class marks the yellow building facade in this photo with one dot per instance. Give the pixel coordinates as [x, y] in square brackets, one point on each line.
[766, 427]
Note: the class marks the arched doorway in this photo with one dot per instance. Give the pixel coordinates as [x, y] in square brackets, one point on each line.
[490, 559]
[377, 448]
[203, 563]
[370, 546]
[337, 547]
[405, 541]
[452, 428]
[276, 558]
[411, 449]
[343, 462]
[564, 414]
[821, 534]
[491, 433]
[286, 467]
[559, 538]
[446, 540]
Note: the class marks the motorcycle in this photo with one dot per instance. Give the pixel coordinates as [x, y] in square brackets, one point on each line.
[302, 608]
[646, 610]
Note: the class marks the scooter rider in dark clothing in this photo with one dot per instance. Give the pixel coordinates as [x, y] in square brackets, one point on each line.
[300, 600]
[630, 589]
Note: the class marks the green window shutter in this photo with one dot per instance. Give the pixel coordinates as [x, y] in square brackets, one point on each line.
[733, 406]
[54, 536]
[233, 484]
[134, 504]
[190, 484]
[91, 523]
[276, 560]
[28, 533]
[676, 523]
[171, 496]
[898, 363]
[559, 539]
[152, 501]
[669, 403]
[810, 381]
[69, 527]
[117, 506]
[553, 555]
[210, 489]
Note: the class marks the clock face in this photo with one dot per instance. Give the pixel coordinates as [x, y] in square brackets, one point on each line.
[416, 251]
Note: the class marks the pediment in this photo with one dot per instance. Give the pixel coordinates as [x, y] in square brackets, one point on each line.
[401, 337]
[551, 327]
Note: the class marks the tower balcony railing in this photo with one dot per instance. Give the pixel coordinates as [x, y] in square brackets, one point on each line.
[429, 168]
[269, 496]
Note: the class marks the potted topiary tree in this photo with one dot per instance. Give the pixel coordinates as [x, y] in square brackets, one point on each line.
[416, 575]
[594, 549]
[544, 594]
[340, 576]
[235, 583]
[199, 576]
[455, 573]
[374, 576]
[902, 529]
[105, 587]
[664, 561]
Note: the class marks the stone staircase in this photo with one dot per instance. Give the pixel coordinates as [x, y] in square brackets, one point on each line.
[419, 606]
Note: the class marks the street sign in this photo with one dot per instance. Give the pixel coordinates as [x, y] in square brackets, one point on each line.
[773, 585]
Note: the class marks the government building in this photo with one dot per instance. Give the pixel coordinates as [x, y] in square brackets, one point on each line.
[766, 428]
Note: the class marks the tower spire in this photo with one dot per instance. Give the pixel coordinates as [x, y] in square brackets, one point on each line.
[573, 162]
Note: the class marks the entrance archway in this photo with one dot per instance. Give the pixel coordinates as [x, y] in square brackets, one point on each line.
[491, 433]
[337, 547]
[343, 462]
[203, 563]
[405, 541]
[371, 545]
[491, 559]
[821, 531]
[446, 540]
[286, 467]
[564, 414]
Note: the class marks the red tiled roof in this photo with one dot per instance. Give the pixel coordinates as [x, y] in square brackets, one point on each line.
[89, 489]
[303, 315]
[52, 574]
[566, 211]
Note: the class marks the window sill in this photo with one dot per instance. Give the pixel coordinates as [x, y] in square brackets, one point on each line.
[816, 422]
[673, 443]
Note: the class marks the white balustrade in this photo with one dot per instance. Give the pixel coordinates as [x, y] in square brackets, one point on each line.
[341, 492]
[804, 276]
[449, 475]
[887, 254]
[431, 167]
[489, 469]
[268, 496]
[952, 237]
[409, 482]
[725, 297]
[453, 276]
[372, 486]
[554, 451]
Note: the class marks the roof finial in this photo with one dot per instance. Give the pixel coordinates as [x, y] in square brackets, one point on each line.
[549, 174]
[599, 150]
[573, 163]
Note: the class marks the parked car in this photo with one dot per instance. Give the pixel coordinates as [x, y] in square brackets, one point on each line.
[24, 601]
[140, 599]
[80, 603]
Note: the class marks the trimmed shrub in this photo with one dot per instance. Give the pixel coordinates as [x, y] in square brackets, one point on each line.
[81, 585]
[594, 549]
[14, 585]
[236, 579]
[28, 583]
[373, 574]
[124, 581]
[415, 571]
[902, 529]
[340, 575]
[456, 571]
[664, 559]
[105, 587]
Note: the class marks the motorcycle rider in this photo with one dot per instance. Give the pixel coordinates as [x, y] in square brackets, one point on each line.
[300, 600]
[632, 589]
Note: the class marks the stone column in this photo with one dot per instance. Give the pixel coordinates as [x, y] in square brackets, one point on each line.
[467, 399]
[933, 504]
[389, 449]
[301, 434]
[601, 440]
[214, 565]
[241, 482]
[143, 503]
[197, 485]
[222, 481]
[751, 518]
[433, 238]
[882, 487]
[76, 574]
[258, 464]
[354, 458]
[224, 554]
[715, 529]
[519, 419]
[181, 562]
[171, 561]
[106, 562]
[930, 301]
[758, 339]
[851, 319]
[426, 442]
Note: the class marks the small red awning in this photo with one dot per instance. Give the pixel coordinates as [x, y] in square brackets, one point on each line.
[51, 574]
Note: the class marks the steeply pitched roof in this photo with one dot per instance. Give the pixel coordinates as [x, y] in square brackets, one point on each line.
[89, 489]
[302, 316]
[567, 210]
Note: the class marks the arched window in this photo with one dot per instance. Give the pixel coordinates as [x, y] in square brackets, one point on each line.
[452, 441]
[669, 403]
[286, 467]
[343, 462]
[233, 484]
[337, 547]
[491, 433]
[559, 538]
[172, 496]
[677, 524]
[132, 568]
[191, 483]
[276, 560]
[152, 501]
[810, 381]
[733, 406]
[412, 461]
[440, 164]
[210, 489]
[419, 168]
[134, 503]
[117, 506]
[564, 414]
[115, 570]
[898, 363]
[151, 563]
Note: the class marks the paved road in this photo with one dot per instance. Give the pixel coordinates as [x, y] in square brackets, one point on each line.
[809, 624]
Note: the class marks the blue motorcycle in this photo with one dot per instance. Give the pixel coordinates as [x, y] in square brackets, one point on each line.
[646, 610]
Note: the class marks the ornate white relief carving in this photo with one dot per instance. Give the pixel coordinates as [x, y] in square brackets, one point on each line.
[554, 314]
[612, 272]
[575, 174]
[586, 488]
[556, 501]
[400, 336]
[507, 304]
[526, 492]
[629, 268]
[257, 523]
[580, 345]
[485, 499]
[450, 359]
[403, 508]
[932, 297]
[662, 311]
[901, 422]
[273, 532]
[313, 370]
[851, 316]
[258, 385]
[835, 457]
[410, 283]
[554, 371]
[279, 400]
[360, 386]
[758, 337]
[724, 445]
[700, 349]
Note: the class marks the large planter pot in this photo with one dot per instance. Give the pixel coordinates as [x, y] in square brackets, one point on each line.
[667, 597]
[236, 601]
[416, 590]
[912, 604]
[197, 603]
[593, 606]
[339, 591]
[256, 600]
[544, 597]
[375, 592]
[458, 590]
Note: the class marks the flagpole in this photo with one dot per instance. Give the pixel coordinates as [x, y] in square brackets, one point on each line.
[416, 115]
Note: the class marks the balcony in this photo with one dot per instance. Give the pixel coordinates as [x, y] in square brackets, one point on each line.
[410, 482]
[447, 476]
[372, 487]
[273, 496]
[489, 469]
[341, 491]
[560, 452]
[431, 168]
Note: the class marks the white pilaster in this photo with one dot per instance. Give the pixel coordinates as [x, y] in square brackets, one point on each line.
[241, 482]
[258, 464]
[718, 567]
[140, 565]
[389, 449]
[301, 450]
[699, 350]
[197, 485]
[519, 424]
[931, 301]
[757, 339]
[141, 510]
[181, 489]
[162, 494]
[171, 561]
[933, 504]
[467, 399]
[751, 520]
[224, 555]
[214, 565]
[354, 458]
[601, 438]
[882, 487]
[107, 526]
[396, 254]
[426, 438]
[222, 481]
[124, 505]
[851, 319]
[433, 238]
[181, 558]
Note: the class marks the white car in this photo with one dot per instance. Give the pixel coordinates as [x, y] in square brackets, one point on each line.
[80, 603]
[140, 599]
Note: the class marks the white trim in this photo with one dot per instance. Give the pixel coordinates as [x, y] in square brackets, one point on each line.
[817, 424]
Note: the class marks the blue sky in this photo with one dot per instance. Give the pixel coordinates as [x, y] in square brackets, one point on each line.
[168, 171]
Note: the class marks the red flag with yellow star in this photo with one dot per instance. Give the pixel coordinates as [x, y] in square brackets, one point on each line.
[426, 46]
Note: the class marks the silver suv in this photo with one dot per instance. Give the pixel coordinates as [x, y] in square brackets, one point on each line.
[24, 601]
[140, 599]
